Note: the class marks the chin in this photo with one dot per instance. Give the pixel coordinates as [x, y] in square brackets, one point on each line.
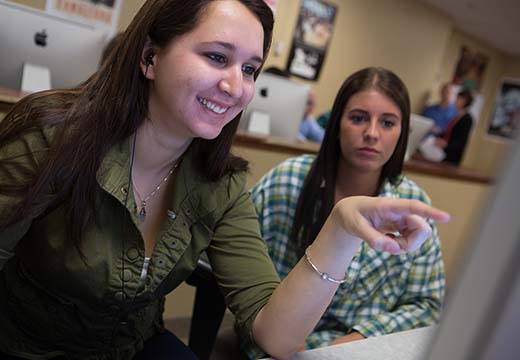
[208, 134]
[368, 167]
[210, 131]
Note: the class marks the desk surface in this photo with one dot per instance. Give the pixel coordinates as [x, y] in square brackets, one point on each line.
[405, 345]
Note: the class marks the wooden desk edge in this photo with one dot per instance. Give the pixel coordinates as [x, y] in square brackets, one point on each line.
[295, 147]
[11, 96]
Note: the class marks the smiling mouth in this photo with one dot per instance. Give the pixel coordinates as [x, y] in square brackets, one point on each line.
[212, 106]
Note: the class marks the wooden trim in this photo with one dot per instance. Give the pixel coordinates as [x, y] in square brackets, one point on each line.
[294, 147]
[414, 165]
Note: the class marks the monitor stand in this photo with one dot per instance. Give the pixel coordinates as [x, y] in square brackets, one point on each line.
[35, 78]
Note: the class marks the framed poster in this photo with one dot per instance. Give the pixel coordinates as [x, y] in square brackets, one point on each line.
[311, 38]
[102, 14]
[470, 69]
[506, 115]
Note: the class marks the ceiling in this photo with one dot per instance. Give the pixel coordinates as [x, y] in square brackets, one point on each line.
[496, 22]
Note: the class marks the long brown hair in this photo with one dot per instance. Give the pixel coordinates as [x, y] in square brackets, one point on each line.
[316, 201]
[103, 111]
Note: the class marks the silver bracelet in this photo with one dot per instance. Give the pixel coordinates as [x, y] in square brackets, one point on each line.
[322, 275]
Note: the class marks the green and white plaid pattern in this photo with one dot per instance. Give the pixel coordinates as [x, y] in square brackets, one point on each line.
[384, 293]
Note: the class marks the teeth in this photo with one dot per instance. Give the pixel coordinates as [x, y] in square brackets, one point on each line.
[212, 106]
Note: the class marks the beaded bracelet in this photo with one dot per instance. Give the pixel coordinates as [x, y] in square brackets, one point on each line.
[323, 275]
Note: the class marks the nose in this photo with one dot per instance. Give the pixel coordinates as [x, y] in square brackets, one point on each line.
[371, 131]
[232, 82]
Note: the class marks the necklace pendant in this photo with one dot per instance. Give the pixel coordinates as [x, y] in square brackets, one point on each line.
[142, 213]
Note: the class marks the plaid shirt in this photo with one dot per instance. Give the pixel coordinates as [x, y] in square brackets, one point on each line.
[384, 293]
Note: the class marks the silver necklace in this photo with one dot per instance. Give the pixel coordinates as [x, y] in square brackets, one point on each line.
[142, 207]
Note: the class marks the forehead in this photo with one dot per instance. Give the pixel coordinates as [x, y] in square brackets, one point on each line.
[372, 100]
[229, 21]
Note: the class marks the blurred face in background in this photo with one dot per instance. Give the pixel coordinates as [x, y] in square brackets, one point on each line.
[311, 103]
[446, 93]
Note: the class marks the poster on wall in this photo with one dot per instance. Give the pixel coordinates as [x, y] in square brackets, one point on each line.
[311, 38]
[506, 115]
[470, 69]
[102, 14]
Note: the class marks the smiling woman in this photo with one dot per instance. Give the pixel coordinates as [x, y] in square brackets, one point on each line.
[205, 78]
[137, 161]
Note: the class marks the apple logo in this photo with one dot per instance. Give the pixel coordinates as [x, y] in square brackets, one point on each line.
[263, 92]
[40, 38]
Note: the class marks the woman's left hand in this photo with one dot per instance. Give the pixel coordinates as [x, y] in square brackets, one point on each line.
[393, 225]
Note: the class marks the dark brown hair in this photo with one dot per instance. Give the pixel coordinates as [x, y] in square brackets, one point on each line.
[103, 111]
[316, 201]
[467, 96]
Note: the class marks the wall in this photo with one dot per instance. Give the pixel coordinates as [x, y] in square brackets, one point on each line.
[128, 9]
[402, 35]
[412, 39]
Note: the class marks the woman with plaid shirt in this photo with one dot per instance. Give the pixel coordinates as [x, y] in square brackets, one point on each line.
[362, 154]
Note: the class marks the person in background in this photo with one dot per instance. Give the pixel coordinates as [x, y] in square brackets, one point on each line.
[309, 128]
[323, 118]
[442, 112]
[110, 191]
[454, 139]
[362, 154]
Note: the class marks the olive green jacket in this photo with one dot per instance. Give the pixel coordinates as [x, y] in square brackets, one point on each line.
[52, 303]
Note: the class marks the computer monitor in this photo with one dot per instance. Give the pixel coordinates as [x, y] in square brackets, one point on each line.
[482, 313]
[419, 127]
[71, 51]
[283, 100]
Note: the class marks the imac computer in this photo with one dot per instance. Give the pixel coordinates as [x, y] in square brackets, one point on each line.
[70, 51]
[419, 127]
[281, 100]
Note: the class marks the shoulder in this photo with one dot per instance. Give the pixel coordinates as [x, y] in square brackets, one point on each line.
[225, 190]
[31, 146]
[290, 170]
[467, 118]
[430, 108]
[405, 188]
[286, 178]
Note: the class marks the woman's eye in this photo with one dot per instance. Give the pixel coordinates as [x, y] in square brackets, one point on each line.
[219, 58]
[248, 70]
[388, 123]
[357, 119]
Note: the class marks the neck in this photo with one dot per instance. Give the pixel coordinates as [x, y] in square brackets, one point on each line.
[351, 182]
[155, 150]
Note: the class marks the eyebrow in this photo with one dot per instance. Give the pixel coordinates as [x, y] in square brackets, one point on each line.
[232, 47]
[366, 112]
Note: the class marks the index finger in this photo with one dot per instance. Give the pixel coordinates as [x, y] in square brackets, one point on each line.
[416, 207]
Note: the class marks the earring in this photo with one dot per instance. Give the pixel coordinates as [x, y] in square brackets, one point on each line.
[149, 59]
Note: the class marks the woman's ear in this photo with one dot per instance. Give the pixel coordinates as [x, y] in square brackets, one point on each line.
[148, 60]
